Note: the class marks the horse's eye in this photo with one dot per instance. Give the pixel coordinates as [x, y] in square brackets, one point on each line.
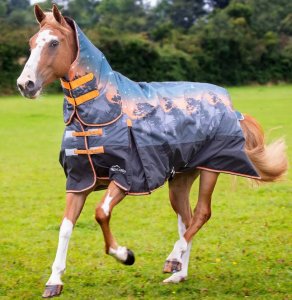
[54, 44]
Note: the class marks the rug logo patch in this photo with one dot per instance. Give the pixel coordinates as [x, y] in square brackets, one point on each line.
[117, 168]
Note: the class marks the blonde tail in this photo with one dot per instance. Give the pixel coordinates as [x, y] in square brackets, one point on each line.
[270, 160]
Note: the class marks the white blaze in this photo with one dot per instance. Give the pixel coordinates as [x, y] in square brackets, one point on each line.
[30, 68]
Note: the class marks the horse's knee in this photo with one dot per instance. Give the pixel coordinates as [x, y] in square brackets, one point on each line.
[100, 215]
[204, 214]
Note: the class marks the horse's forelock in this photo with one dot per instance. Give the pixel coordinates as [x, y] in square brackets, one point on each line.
[50, 21]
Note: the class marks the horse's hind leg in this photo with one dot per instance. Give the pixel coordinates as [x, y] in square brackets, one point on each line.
[202, 214]
[74, 205]
[103, 211]
[202, 211]
[179, 190]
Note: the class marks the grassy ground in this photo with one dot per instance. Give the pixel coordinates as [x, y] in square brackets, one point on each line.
[241, 252]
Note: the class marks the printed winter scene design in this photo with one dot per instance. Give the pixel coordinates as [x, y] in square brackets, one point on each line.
[147, 131]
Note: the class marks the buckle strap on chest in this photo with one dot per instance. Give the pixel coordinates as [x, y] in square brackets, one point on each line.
[84, 98]
[71, 85]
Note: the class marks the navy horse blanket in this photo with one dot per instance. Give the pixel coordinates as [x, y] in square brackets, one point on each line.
[140, 134]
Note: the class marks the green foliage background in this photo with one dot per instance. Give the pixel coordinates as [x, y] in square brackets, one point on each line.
[229, 42]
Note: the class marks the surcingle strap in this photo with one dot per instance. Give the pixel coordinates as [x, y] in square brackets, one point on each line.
[81, 99]
[88, 133]
[94, 150]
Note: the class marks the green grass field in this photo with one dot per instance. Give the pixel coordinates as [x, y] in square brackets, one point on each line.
[243, 251]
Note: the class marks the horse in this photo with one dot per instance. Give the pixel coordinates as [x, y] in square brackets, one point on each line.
[131, 138]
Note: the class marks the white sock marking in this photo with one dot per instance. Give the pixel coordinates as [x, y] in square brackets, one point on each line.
[181, 253]
[186, 255]
[179, 248]
[59, 264]
[181, 275]
[181, 226]
[121, 253]
[106, 205]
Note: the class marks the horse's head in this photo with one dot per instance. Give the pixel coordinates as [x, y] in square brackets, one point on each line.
[53, 49]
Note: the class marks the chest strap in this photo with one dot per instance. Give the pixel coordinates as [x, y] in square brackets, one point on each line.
[71, 85]
[84, 98]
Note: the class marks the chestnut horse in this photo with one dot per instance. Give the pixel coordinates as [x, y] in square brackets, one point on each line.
[53, 50]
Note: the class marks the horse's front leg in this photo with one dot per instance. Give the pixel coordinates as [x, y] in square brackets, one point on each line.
[74, 205]
[103, 211]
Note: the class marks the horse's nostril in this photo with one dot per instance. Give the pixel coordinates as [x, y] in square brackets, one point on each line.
[20, 86]
[29, 85]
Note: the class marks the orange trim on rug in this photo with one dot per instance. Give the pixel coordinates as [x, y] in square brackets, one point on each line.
[139, 194]
[229, 172]
[98, 125]
[120, 186]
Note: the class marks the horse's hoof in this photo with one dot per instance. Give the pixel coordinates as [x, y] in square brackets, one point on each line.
[130, 258]
[52, 291]
[172, 266]
[176, 278]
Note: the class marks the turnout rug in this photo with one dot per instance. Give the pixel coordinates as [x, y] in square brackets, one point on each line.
[141, 134]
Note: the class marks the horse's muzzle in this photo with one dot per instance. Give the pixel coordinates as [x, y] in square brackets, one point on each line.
[28, 89]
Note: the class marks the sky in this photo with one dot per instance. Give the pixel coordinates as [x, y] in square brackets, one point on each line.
[152, 2]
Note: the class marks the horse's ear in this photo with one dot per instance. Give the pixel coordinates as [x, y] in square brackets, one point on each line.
[39, 14]
[57, 15]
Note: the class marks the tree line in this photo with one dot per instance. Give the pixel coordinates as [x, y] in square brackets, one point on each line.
[227, 42]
